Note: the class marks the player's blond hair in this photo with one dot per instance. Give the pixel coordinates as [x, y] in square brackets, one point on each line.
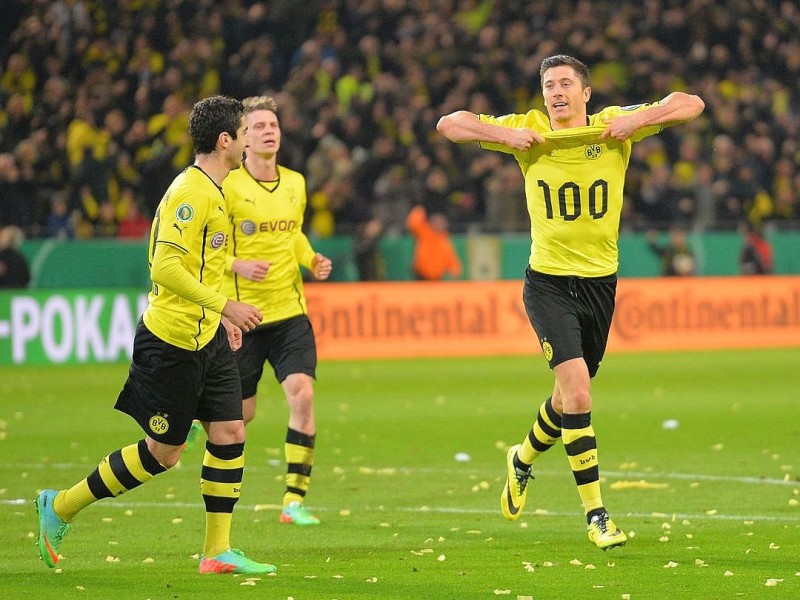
[254, 103]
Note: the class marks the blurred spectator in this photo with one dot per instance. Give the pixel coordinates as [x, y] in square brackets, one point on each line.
[676, 257]
[756, 255]
[134, 225]
[435, 257]
[14, 271]
[59, 223]
[106, 224]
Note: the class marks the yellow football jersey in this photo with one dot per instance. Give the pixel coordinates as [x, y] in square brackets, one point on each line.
[191, 218]
[266, 223]
[573, 184]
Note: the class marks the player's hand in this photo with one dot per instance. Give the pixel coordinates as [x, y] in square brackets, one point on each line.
[621, 127]
[321, 267]
[244, 316]
[523, 138]
[234, 334]
[254, 269]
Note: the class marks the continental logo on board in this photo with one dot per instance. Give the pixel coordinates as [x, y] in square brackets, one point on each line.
[461, 318]
[685, 311]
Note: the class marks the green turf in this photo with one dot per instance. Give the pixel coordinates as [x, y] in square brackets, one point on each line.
[401, 518]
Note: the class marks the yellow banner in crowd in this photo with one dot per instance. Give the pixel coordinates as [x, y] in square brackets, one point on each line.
[455, 318]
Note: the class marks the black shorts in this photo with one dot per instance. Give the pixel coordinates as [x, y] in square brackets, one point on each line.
[289, 346]
[168, 387]
[570, 315]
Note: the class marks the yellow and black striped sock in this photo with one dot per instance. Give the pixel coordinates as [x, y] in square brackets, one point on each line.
[299, 451]
[581, 447]
[546, 431]
[120, 471]
[221, 485]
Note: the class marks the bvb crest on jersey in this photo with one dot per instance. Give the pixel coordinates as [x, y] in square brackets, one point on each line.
[593, 151]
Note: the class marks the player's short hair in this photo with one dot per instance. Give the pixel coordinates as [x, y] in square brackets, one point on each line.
[581, 70]
[254, 103]
[212, 116]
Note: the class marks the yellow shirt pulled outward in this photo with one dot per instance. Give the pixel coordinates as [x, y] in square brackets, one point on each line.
[188, 246]
[574, 189]
[266, 224]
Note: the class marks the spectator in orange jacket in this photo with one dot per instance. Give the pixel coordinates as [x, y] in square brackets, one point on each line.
[434, 253]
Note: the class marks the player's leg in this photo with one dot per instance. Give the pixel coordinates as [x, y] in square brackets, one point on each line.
[552, 315]
[293, 356]
[299, 448]
[155, 397]
[223, 461]
[121, 471]
[574, 401]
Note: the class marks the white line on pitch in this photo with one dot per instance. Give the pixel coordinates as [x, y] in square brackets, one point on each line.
[441, 510]
[456, 470]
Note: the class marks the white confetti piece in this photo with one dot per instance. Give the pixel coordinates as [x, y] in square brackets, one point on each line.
[112, 559]
[148, 560]
[248, 583]
[671, 565]
[502, 592]
[774, 546]
[772, 582]
[728, 573]
[441, 558]
[372, 580]
[177, 521]
[575, 562]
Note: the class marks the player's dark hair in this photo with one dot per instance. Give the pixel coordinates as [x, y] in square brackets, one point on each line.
[212, 116]
[581, 70]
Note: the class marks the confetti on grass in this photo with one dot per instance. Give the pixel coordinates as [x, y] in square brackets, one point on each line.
[638, 485]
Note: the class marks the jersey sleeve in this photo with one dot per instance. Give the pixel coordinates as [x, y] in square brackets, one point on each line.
[615, 111]
[531, 119]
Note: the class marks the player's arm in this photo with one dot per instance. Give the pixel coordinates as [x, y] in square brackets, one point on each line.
[319, 265]
[254, 269]
[464, 126]
[677, 108]
[168, 271]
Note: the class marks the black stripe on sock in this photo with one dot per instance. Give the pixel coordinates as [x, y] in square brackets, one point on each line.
[537, 445]
[221, 475]
[97, 486]
[298, 438]
[581, 445]
[219, 504]
[226, 451]
[554, 417]
[549, 431]
[585, 476]
[121, 471]
[294, 490]
[149, 462]
[299, 469]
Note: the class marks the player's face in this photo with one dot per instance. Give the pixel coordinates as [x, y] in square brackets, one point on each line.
[263, 133]
[565, 97]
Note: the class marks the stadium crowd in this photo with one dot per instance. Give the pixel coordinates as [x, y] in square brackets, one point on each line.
[94, 98]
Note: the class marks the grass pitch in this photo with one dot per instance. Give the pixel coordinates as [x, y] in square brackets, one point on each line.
[710, 503]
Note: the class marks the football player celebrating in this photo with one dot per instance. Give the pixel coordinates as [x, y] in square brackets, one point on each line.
[574, 166]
